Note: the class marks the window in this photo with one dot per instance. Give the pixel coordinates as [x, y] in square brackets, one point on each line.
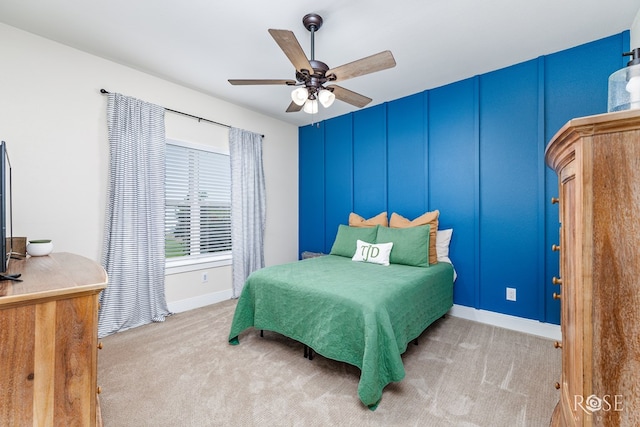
[197, 205]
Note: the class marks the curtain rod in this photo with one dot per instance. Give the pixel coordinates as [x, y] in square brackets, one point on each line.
[104, 91]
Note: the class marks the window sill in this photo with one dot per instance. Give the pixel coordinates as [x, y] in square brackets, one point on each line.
[184, 266]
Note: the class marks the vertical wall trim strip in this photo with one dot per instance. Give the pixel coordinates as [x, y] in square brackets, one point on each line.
[386, 159]
[386, 154]
[320, 127]
[353, 161]
[425, 139]
[476, 190]
[321, 139]
[542, 196]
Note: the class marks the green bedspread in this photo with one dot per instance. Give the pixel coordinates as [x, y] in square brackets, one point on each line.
[359, 313]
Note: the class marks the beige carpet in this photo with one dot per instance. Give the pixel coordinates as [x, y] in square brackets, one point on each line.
[184, 373]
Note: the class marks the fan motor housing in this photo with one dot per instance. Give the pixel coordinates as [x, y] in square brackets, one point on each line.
[319, 67]
[317, 78]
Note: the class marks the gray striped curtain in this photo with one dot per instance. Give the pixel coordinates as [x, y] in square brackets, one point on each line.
[248, 205]
[133, 248]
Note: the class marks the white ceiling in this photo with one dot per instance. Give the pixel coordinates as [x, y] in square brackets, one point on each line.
[202, 43]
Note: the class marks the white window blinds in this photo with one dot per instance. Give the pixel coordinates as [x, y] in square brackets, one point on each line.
[197, 203]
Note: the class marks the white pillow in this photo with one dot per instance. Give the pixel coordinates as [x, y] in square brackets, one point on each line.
[443, 238]
[373, 253]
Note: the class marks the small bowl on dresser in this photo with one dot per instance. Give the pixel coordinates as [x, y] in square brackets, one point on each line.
[39, 247]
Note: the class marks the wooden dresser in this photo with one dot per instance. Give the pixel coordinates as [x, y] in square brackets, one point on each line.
[49, 342]
[597, 160]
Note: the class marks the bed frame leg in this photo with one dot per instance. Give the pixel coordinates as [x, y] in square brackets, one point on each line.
[262, 332]
[415, 342]
[308, 352]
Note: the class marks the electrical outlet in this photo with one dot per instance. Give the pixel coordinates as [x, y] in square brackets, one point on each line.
[205, 277]
[511, 294]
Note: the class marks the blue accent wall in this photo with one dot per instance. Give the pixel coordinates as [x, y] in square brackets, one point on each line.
[407, 155]
[338, 166]
[474, 150]
[311, 198]
[452, 181]
[369, 162]
[508, 104]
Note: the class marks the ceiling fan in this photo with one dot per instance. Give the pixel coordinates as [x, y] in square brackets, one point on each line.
[312, 76]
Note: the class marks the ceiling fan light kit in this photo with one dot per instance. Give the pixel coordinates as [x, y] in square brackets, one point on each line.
[299, 95]
[326, 98]
[310, 106]
[313, 76]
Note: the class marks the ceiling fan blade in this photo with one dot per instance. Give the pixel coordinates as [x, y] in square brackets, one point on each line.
[238, 82]
[291, 47]
[349, 96]
[293, 107]
[370, 64]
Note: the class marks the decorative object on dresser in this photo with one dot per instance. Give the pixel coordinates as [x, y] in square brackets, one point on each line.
[624, 85]
[597, 160]
[49, 342]
[39, 247]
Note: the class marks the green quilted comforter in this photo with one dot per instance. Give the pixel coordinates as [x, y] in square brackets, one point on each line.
[359, 313]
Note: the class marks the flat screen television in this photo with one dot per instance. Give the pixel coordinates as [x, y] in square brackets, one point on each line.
[6, 235]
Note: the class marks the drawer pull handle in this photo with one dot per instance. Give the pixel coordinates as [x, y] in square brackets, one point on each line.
[557, 344]
[100, 345]
[556, 280]
[557, 386]
[99, 390]
[555, 200]
[556, 296]
[555, 248]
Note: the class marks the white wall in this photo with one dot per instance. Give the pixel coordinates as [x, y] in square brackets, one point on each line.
[635, 32]
[53, 119]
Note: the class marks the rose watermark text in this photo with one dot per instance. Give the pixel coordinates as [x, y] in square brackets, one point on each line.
[593, 403]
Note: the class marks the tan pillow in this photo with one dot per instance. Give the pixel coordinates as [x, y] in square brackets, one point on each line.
[356, 220]
[430, 218]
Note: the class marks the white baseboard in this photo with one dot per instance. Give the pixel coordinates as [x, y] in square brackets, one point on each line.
[199, 301]
[520, 324]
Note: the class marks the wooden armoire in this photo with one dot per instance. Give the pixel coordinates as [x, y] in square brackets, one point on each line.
[597, 160]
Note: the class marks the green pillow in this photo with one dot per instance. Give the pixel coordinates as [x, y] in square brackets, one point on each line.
[410, 244]
[347, 237]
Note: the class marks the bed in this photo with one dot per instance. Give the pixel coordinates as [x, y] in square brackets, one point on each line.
[361, 313]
